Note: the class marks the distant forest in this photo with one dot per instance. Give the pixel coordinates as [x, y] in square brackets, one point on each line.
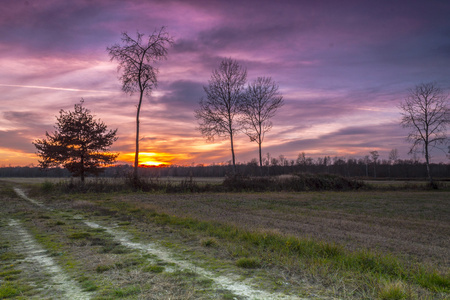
[401, 169]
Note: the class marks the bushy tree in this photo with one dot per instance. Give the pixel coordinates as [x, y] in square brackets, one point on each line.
[136, 58]
[79, 144]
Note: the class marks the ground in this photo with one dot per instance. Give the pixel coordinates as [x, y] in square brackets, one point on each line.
[223, 245]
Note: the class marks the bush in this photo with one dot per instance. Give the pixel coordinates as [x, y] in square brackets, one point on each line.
[294, 183]
[248, 263]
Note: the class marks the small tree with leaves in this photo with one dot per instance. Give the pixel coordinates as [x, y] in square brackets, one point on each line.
[79, 144]
[425, 112]
[136, 58]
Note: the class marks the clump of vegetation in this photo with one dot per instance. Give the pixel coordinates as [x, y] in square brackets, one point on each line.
[393, 291]
[248, 263]
[47, 187]
[209, 242]
[79, 235]
[296, 183]
[7, 290]
[153, 269]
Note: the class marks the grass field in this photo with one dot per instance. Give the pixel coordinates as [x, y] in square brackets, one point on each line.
[375, 244]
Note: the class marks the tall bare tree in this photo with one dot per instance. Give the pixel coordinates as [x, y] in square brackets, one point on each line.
[219, 112]
[425, 112]
[136, 58]
[262, 99]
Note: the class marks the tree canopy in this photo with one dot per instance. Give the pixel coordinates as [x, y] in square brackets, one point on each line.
[80, 143]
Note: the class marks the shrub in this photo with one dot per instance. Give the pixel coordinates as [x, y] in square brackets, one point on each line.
[248, 263]
[209, 242]
[393, 291]
[295, 183]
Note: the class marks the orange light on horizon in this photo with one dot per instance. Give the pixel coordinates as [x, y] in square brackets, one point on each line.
[152, 159]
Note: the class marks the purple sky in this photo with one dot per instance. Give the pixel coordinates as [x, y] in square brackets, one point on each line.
[342, 67]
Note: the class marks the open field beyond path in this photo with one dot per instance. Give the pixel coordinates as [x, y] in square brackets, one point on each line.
[351, 245]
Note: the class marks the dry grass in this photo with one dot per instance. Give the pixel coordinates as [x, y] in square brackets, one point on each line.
[412, 225]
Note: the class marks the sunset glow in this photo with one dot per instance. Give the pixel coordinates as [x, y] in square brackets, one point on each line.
[342, 68]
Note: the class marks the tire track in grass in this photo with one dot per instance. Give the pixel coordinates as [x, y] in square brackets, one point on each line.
[222, 282]
[23, 196]
[236, 286]
[36, 255]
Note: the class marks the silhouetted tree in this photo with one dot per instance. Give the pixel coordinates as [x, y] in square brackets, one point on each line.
[79, 144]
[375, 156]
[393, 156]
[136, 58]
[260, 104]
[219, 112]
[425, 112]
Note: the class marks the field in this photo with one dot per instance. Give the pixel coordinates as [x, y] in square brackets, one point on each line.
[375, 244]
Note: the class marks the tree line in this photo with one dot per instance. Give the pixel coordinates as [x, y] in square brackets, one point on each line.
[348, 167]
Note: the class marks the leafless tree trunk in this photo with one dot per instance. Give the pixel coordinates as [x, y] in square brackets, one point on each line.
[136, 58]
[219, 112]
[261, 101]
[425, 112]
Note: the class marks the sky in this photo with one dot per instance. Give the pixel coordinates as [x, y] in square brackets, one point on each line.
[342, 67]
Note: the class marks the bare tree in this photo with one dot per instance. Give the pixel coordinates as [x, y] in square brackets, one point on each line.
[136, 58]
[375, 156]
[393, 155]
[219, 112]
[425, 112]
[261, 102]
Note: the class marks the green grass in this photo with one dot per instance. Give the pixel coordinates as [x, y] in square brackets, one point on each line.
[310, 253]
[248, 263]
[153, 269]
[79, 235]
[8, 290]
[360, 273]
[393, 291]
[126, 291]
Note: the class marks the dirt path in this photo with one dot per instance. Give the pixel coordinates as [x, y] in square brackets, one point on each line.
[241, 288]
[35, 255]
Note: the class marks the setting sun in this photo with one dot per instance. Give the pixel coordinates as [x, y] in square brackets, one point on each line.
[149, 159]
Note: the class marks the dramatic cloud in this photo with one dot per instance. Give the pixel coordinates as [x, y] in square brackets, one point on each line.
[342, 67]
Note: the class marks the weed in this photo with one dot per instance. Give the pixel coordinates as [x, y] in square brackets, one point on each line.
[393, 291]
[153, 269]
[7, 290]
[9, 273]
[87, 284]
[248, 263]
[209, 242]
[103, 268]
[47, 187]
[10, 256]
[127, 291]
[79, 235]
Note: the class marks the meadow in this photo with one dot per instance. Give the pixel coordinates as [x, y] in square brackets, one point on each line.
[377, 243]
